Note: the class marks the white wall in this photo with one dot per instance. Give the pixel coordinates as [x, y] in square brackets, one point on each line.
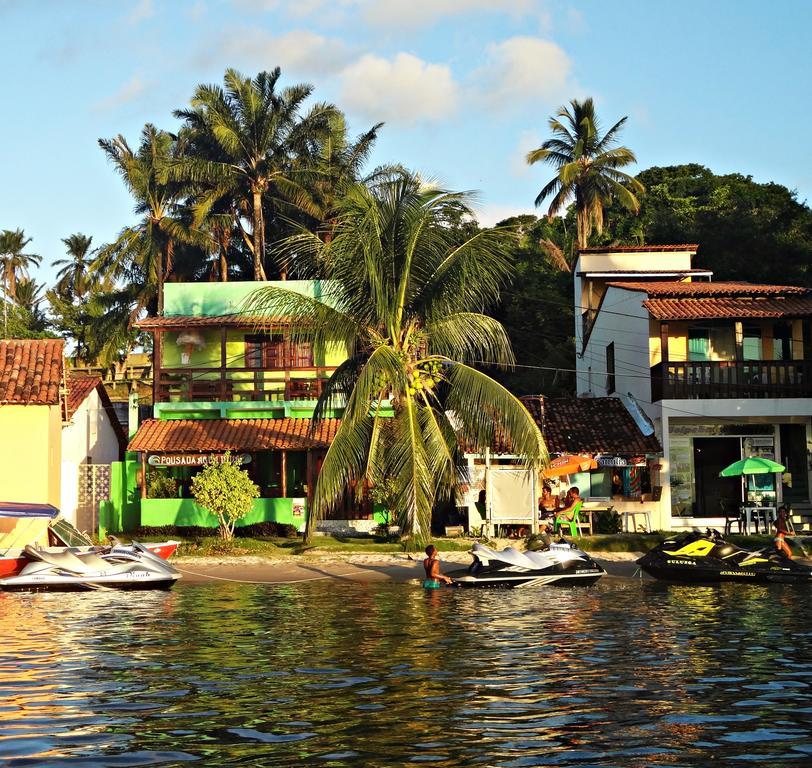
[624, 321]
[89, 438]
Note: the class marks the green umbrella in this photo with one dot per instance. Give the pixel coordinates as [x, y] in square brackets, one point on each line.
[752, 465]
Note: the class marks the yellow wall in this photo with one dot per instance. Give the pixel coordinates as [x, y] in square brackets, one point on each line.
[30, 453]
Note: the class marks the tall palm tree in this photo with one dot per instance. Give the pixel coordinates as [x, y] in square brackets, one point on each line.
[587, 168]
[14, 264]
[404, 295]
[148, 247]
[254, 132]
[73, 277]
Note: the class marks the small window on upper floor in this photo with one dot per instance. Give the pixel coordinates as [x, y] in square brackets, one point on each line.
[698, 344]
[610, 368]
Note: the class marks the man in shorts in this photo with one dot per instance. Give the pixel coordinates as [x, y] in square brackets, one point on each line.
[782, 531]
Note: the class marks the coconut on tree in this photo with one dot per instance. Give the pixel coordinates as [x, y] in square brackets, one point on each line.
[404, 293]
[588, 168]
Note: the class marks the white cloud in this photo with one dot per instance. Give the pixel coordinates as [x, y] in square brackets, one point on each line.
[142, 10]
[403, 90]
[490, 214]
[128, 92]
[300, 51]
[418, 13]
[523, 71]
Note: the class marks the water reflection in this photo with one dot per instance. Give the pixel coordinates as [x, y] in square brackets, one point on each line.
[623, 674]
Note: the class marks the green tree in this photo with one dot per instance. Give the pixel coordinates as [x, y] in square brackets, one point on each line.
[252, 133]
[406, 297]
[147, 249]
[14, 263]
[587, 168]
[225, 491]
[73, 277]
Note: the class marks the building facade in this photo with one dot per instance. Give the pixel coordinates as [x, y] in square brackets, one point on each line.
[721, 368]
[223, 382]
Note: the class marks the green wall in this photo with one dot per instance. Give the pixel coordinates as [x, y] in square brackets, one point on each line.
[158, 512]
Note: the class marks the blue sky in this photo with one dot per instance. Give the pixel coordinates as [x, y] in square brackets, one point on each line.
[465, 87]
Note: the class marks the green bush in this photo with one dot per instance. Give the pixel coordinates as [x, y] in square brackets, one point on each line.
[606, 521]
[161, 486]
[225, 491]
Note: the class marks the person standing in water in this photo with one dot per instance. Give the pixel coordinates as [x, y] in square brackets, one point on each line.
[782, 531]
[432, 566]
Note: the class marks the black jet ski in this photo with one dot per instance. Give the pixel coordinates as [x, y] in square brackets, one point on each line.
[132, 567]
[707, 557]
[561, 564]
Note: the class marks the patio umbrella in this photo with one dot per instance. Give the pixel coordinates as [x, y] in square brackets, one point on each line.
[569, 464]
[752, 465]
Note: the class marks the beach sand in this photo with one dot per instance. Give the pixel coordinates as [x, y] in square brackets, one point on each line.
[348, 567]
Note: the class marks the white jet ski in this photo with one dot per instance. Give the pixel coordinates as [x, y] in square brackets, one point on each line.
[561, 564]
[131, 567]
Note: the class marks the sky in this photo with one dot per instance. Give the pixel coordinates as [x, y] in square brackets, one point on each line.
[464, 87]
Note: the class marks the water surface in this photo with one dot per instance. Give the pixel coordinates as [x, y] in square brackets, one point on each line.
[626, 673]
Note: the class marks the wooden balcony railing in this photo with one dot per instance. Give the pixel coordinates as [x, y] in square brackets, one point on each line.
[730, 379]
[240, 384]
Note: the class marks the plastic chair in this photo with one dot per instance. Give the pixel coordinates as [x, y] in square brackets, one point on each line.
[573, 524]
[732, 513]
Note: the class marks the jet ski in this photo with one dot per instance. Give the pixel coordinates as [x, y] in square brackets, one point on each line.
[561, 564]
[707, 557]
[131, 567]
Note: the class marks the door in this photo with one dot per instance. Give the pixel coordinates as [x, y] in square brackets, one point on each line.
[711, 456]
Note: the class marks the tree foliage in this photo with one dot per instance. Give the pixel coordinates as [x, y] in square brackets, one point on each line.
[225, 491]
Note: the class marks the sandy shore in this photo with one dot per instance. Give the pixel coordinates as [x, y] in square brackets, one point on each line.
[347, 567]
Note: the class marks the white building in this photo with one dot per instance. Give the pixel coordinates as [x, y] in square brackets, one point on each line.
[92, 439]
[723, 370]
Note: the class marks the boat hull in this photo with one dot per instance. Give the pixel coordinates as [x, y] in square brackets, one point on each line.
[77, 585]
[693, 573]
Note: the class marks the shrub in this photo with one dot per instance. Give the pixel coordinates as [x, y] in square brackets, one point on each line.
[161, 486]
[606, 521]
[225, 491]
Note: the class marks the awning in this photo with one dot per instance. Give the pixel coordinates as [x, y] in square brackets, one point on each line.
[203, 435]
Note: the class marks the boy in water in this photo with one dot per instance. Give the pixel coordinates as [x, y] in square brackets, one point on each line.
[432, 567]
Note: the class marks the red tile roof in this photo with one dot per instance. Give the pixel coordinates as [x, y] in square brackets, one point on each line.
[198, 321]
[203, 435]
[30, 371]
[722, 307]
[640, 248]
[704, 289]
[589, 425]
[79, 388]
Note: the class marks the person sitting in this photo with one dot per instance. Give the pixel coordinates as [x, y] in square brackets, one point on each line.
[572, 505]
[431, 564]
[548, 504]
[781, 531]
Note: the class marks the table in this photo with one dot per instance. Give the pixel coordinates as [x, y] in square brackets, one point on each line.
[766, 514]
[632, 517]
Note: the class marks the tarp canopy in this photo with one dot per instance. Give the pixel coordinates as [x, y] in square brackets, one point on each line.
[18, 509]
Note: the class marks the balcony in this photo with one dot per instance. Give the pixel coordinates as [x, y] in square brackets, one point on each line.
[727, 379]
[184, 385]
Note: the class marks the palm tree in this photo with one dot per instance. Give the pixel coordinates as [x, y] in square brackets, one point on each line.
[14, 264]
[254, 133]
[404, 296]
[587, 165]
[148, 247]
[73, 279]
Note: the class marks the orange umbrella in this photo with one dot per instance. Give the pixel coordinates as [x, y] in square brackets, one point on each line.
[569, 464]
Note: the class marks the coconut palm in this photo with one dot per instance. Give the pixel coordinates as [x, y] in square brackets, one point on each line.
[73, 277]
[404, 295]
[14, 264]
[254, 132]
[148, 247]
[588, 168]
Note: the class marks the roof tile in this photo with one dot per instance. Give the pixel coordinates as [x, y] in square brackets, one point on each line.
[30, 371]
[703, 289]
[723, 307]
[79, 388]
[202, 435]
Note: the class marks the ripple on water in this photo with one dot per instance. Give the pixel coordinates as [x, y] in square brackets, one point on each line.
[627, 674]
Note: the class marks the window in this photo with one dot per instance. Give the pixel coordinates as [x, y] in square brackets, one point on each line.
[274, 352]
[698, 344]
[751, 342]
[782, 341]
[610, 368]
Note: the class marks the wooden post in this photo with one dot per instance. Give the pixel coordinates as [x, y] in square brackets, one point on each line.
[157, 351]
[310, 479]
[284, 474]
[223, 363]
